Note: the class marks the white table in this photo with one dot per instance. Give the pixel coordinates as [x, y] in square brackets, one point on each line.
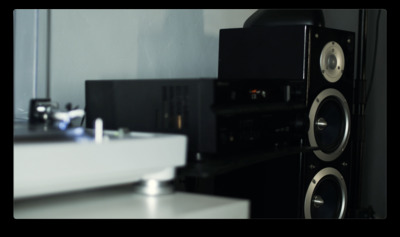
[50, 167]
[88, 177]
[120, 202]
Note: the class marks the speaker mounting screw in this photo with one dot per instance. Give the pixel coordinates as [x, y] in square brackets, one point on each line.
[316, 36]
[349, 41]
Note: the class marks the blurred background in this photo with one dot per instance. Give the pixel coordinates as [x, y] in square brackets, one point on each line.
[55, 51]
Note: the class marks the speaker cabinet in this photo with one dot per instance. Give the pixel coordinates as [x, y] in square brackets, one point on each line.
[322, 59]
[327, 171]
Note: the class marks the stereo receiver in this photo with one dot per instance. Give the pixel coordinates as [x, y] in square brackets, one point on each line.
[218, 116]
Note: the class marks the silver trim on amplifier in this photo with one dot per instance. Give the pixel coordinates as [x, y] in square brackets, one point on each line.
[332, 61]
[316, 200]
[313, 120]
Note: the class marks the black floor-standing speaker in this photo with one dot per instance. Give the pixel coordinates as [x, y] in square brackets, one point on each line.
[316, 184]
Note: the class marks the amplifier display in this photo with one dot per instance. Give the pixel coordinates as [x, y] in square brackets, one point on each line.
[218, 116]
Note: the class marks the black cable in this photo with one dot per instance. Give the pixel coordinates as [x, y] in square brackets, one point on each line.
[360, 99]
[365, 93]
[374, 58]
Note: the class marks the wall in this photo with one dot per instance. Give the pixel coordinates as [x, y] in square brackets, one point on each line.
[25, 60]
[133, 44]
[374, 186]
[30, 59]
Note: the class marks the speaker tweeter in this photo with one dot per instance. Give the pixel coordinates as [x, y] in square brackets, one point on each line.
[332, 61]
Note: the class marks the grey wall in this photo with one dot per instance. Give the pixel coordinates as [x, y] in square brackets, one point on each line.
[30, 59]
[374, 167]
[25, 60]
[133, 44]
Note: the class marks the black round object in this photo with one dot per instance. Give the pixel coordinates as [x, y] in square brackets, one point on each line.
[328, 189]
[279, 17]
[330, 137]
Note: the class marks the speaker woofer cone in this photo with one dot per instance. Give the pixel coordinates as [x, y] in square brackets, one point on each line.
[326, 196]
[329, 124]
[332, 61]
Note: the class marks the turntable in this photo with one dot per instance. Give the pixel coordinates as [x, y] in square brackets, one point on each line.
[51, 159]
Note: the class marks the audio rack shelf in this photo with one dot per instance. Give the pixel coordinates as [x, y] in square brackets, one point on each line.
[213, 165]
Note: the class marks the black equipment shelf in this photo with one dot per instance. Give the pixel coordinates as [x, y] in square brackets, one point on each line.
[222, 163]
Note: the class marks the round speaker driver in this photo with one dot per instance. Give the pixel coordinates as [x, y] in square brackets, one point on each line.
[326, 196]
[329, 129]
[332, 61]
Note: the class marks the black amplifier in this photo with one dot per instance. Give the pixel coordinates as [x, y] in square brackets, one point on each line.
[218, 116]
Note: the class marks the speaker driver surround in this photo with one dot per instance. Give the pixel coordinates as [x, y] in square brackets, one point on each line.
[326, 196]
[332, 61]
[329, 124]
